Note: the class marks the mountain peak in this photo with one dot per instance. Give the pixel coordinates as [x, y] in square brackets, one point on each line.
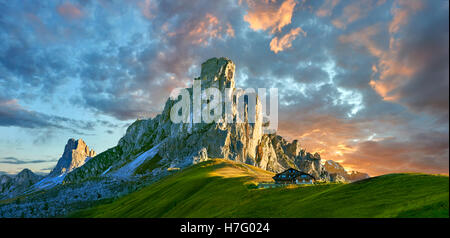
[11, 186]
[76, 153]
[218, 72]
[24, 172]
[27, 174]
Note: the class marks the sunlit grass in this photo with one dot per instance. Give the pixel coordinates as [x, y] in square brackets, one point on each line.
[221, 188]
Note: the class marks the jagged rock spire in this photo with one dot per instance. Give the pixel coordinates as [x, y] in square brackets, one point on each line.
[76, 152]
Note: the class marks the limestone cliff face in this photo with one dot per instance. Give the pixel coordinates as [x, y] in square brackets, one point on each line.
[76, 153]
[183, 144]
[235, 141]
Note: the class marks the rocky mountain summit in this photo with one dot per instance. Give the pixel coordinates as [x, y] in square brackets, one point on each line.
[11, 186]
[76, 153]
[178, 145]
[341, 174]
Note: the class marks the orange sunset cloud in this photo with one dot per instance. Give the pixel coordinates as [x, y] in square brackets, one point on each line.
[277, 45]
[263, 15]
[208, 28]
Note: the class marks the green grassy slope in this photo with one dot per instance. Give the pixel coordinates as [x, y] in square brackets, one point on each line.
[220, 188]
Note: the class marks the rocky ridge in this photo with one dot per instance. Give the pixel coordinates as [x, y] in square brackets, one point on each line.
[182, 144]
[11, 186]
[340, 174]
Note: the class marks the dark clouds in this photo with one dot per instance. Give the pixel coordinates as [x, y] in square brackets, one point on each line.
[32, 64]
[428, 87]
[13, 160]
[366, 74]
[12, 114]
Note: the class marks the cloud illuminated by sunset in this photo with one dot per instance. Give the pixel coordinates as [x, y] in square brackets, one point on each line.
[277, 45]
[267, 14]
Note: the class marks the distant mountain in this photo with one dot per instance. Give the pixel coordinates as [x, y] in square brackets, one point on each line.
[11, 186]
[340, 174]
[355, 176]
[76, 154]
